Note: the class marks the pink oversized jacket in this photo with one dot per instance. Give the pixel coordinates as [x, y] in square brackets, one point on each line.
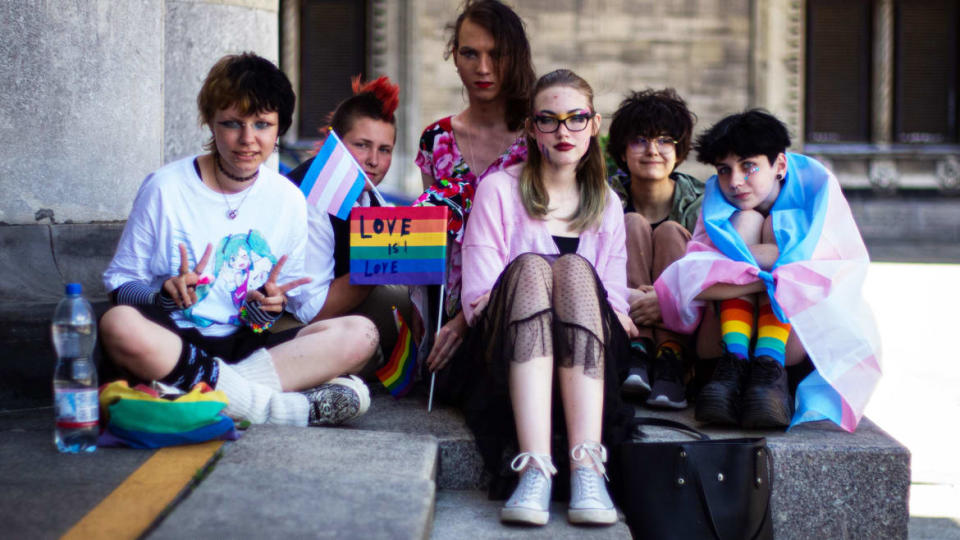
[499, 230]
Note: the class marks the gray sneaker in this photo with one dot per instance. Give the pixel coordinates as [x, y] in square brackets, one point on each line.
[530, 502]
[590, 503]
[337, 401]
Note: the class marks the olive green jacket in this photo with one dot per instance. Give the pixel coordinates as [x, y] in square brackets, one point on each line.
[687, 197]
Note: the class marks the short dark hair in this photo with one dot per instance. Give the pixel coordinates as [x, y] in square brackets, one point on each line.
[512, 49]
[751, 133]
[251, 83]
[377, 100]
[651, 113]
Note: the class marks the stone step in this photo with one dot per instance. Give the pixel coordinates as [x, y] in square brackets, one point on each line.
[469, 514]
[287, 482]
[460, 465]
[828, 483]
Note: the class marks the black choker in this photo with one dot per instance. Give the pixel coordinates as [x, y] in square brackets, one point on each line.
[216, 157]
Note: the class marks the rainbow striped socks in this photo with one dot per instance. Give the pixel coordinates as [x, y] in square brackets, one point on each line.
[736, 326]
[771, 335]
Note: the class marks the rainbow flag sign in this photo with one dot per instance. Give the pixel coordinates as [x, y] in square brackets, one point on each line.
[334, 181]
[398, 245]
[397, 374]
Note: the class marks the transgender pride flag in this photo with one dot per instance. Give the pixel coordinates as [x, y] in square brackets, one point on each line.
[334, 181]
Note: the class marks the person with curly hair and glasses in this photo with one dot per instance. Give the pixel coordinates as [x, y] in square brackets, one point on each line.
[649, 138]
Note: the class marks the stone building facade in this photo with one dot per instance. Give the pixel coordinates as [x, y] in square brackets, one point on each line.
[722, 55]
[101, 92]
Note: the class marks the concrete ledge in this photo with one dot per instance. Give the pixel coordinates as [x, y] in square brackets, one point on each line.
[27, 357]
[37, 260]
[828, 483]
[281, 482]
[460, 465]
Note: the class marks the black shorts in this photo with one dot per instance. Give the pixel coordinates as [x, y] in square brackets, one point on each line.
[231, 349]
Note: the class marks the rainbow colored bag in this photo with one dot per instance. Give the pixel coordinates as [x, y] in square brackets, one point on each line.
[139, 418]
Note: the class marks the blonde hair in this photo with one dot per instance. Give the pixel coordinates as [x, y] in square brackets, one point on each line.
[591, 171]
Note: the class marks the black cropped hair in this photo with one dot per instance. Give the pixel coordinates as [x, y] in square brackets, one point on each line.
[751, 133]
[649, 114]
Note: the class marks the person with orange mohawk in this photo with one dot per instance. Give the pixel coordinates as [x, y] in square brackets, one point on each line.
[366, 124]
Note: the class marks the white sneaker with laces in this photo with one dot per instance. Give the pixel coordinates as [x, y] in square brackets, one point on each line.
[530, 502]
[590, 503]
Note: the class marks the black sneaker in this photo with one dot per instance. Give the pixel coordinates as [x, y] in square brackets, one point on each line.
[637, 383]
[719, 400]
[766, 399]
[668, 389]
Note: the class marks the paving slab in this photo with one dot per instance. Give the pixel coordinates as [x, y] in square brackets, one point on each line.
[460, 465]
[43, 493]
[279, 481]
[827, 483]
[469, 514]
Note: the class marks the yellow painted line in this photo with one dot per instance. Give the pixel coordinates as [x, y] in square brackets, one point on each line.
[135, 504]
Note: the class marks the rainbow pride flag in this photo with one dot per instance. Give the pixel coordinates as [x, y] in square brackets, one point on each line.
[397, 375]
[334, 181]
[398, 245]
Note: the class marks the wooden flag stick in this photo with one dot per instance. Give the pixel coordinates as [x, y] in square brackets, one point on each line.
[433, 376]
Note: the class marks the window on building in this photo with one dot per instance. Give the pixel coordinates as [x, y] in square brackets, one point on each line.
[850, 43]
[332, 50]
[925, 101]
[838, 70]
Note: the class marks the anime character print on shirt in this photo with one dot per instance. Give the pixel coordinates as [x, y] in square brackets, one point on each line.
[242, 263]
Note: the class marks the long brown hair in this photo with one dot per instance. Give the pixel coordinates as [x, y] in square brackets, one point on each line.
[512, 51]
[591, 171]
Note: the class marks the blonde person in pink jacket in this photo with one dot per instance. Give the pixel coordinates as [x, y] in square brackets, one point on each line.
[544, 287]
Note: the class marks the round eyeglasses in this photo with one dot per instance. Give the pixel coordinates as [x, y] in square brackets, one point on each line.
[662, 144]
[548, 123]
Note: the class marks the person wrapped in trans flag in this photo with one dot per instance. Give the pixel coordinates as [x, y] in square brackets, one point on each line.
[777, 252]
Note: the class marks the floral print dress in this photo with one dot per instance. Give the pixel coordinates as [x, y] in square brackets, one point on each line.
[440, 157]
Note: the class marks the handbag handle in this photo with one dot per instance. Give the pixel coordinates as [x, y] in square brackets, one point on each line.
[672, 424]
[762, 454]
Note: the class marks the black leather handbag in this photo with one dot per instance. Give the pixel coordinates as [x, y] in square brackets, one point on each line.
[704, 488]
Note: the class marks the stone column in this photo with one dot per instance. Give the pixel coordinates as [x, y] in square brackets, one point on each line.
[82, 119]
[97, 94]
[196, 34]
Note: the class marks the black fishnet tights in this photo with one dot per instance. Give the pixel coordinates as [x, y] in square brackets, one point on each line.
[553, 303]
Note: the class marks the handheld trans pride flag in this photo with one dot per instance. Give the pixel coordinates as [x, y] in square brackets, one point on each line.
[397, 375]
[398, 245]
[334, 181]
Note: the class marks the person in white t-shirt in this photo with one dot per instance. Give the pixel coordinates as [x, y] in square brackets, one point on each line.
[210, 256]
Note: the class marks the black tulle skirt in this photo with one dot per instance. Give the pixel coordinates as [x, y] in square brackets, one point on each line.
[477, 378]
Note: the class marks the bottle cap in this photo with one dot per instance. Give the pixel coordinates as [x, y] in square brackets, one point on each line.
[74, 288]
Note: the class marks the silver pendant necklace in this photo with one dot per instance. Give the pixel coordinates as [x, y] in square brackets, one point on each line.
[231, 212]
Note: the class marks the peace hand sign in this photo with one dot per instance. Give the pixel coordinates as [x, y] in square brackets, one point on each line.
[183, 287]
[276, 297]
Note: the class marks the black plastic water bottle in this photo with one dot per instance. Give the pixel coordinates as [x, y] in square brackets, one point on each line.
[76, 404]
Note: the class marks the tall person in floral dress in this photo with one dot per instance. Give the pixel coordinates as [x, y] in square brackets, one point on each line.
[492, 56]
